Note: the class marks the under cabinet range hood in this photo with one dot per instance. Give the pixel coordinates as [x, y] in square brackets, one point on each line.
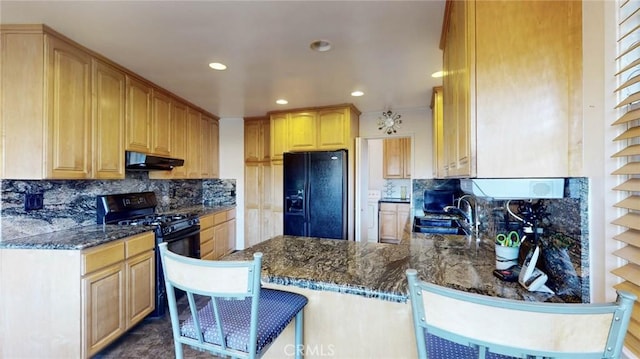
[136, 161]
[514, 188]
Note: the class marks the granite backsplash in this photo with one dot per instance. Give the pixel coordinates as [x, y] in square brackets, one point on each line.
[72, 203]
[565, 229]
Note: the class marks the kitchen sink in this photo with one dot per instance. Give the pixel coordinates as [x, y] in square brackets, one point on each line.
[438, 224]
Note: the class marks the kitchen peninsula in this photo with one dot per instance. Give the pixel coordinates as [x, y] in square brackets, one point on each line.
[358, 291]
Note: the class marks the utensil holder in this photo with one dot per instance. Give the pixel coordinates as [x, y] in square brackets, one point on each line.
[506, 257]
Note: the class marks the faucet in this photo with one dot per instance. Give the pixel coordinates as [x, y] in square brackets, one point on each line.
[469, 215]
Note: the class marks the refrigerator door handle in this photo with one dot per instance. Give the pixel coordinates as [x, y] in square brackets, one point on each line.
[307, 207]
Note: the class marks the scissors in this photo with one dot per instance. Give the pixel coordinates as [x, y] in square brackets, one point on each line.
[510, 240]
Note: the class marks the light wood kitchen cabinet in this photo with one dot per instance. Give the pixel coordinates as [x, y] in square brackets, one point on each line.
[257, 206]
[179, 138]
[217, 234]
[161, 123]
[396, 159]
[194, 152]
[64, 115]
[257, 174]
[257, 139]
[119, 288]
[98, 294]
[492, 105]
[215, 148]
[278, 133]
[301, 131]
[109, 91]
[337, 128]
[392, 221]
[438, 137]
[138, 129]
[209, 147]
[46, 105]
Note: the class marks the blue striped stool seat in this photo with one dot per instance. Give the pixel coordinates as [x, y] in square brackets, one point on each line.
[275, 311]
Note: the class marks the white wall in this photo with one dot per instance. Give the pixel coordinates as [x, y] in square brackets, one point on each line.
[232, 166]
[416, 122]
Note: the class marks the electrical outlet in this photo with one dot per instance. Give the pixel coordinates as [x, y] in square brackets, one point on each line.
[33, 201]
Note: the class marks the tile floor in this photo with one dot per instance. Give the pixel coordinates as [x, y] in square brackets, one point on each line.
[152, 338]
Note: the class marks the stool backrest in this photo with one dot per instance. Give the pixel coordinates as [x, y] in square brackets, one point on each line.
[518, 328]
[219, 280]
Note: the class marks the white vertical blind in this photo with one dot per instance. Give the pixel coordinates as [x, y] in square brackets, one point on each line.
[628, 125]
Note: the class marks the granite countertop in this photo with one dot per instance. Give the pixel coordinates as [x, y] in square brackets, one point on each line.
[377, 270]
[394, 200]
[90, 236]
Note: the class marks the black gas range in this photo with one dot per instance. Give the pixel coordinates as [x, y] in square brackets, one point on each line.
[181, 231]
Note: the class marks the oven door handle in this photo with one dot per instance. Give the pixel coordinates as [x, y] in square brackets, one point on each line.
[181, 235]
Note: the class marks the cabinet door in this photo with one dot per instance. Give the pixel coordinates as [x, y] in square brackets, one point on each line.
[179, 136]
[138, 136]
[403, 211]
[333, 129]
[206, 164]
[406, 157]
[103, 307]
[215, 148]
[109, 90]
[161, 124]
[140, 287]
[438, 139]
[302, 131]
[194, 129]
[231, 236]
[277, 203]
[69, 106]
[279, 129]
[392, 159]
[252, 203]
[256, 139]
[220, 239]
[388, 223]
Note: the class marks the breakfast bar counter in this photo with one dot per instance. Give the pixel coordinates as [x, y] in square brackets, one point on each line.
[358, 296]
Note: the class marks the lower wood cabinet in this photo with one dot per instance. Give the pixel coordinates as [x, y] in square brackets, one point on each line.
[217, 234]
[392, 221]
[73, 303]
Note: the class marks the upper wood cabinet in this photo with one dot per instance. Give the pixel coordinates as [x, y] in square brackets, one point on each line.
[138, 133]
[109, 92]
[302, 131]
[438, 137]
[161, 123]
[46, 109]
[69, 113]
[523, 101]
[256, 139]
[396, 158]
[315, 129]
[278, 132]
[209, 147]
[194, 138]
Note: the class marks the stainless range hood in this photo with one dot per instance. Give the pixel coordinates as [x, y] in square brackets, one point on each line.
[136, 161]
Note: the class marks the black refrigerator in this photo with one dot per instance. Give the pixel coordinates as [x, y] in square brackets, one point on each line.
[315, 194]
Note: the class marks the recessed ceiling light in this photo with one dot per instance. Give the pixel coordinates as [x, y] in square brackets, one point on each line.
[320, 45]
[357, 93]
[437, 74]
[218, 66]
[282, 101]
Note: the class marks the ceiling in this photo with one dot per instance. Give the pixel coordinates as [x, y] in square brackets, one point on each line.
[387, 49]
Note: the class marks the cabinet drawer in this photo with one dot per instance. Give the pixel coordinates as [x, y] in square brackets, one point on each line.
[231, 214]
[206, 248]
[102, 256]
[139, 244]
[220, 217]
[206, 221]
[388, 206]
